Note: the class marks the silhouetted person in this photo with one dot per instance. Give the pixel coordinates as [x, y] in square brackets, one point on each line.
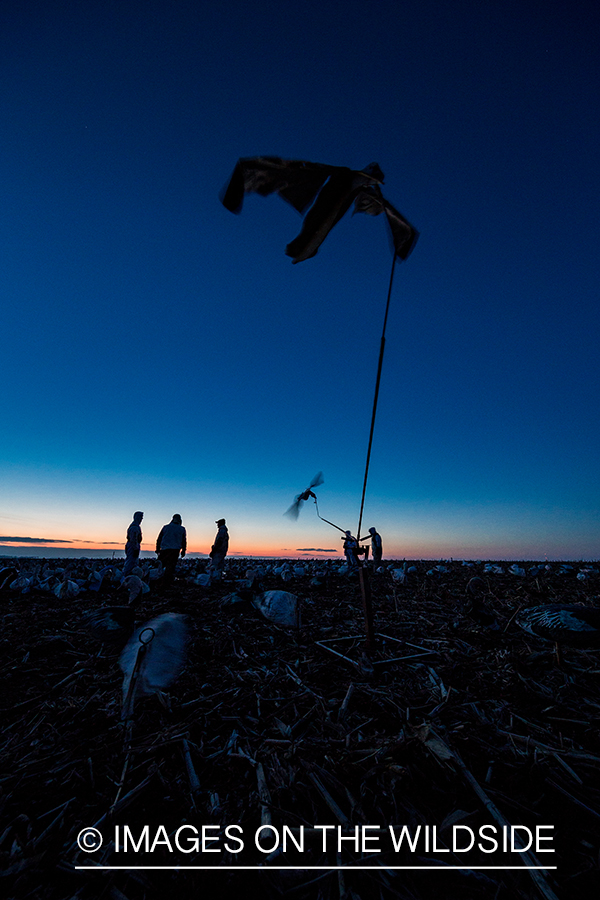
[376, 547]
[219, 549]
[170, 542]
[134, 543]
[350, 549]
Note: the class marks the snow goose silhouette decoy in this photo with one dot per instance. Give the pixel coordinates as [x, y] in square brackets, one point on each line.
[576, 626]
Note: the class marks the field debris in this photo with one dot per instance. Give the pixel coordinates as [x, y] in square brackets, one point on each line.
[270, 751]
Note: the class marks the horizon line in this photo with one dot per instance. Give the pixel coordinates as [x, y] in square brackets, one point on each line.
[307, 557]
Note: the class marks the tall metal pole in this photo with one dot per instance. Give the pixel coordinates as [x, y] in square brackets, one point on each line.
[377, 383]
[363, 572]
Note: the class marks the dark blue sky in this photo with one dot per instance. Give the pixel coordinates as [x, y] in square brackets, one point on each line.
[162, 354]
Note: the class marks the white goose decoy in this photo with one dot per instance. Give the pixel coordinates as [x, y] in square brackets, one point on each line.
[153, 658]
[284, 572]
[578, 626]
[48, 584]
[135, 586]
[66, 589]
[203, 579]
[399, 575]
[586, 572]
[279, 607]
[22, 584]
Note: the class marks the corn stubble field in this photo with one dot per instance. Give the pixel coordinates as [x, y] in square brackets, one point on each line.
[473, 724]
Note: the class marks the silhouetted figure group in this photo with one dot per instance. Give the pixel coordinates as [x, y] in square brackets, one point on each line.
[170, 543]
[353, 550]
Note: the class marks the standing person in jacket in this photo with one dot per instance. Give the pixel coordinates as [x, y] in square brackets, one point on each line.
[134, 543]
[376, 547]
[171, 540]
[218, 551]
[350, 548]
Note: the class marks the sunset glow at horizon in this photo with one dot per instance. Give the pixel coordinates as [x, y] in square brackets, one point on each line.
[318, 540]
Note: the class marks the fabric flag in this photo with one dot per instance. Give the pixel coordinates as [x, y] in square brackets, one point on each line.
[327, 192]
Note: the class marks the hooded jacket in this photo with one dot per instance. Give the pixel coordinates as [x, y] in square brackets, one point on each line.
[134, 532]
[172, 537]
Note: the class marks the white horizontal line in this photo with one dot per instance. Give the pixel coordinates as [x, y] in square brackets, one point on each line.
[381, 868]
